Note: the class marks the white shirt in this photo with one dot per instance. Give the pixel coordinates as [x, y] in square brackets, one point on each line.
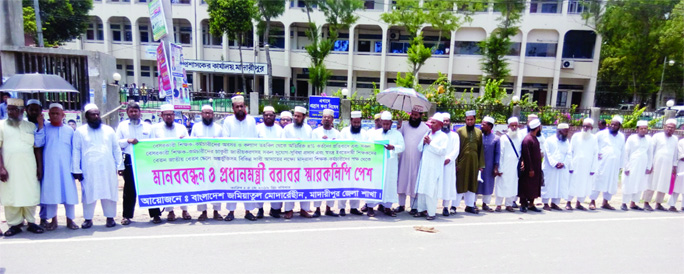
[235, 128]
[272, 132]
[161, 131]
[126, 131]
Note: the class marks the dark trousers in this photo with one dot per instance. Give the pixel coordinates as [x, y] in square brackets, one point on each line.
[525, 202]
[129, 195]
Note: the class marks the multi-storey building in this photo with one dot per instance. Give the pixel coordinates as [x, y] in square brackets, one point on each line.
[555, 54]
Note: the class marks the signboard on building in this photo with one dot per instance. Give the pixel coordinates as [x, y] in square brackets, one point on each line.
[158, 19]
[318, 103]
[224, 67]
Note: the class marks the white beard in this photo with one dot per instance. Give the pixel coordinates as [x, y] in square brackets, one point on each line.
[513, 134]
[585, 134]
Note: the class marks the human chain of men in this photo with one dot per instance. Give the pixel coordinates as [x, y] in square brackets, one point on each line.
[427, 162]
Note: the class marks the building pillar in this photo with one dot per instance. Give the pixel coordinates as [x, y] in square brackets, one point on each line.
[136, 52]
[450, 69]
[286, 53]
[350, 60]
[557, 68]
[521, 65]
[590, 90]
[107, 35]
[383, 57]
[225, 47]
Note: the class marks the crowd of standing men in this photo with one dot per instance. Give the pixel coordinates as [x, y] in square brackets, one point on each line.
[428, 162]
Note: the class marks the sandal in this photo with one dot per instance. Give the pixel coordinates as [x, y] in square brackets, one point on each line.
[13, 230]
[35, 228]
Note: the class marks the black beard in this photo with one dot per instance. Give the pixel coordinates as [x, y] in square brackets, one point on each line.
[538, 133]
[470, 128]
[614, 131]
[32, 119]
[445, 129]
[95, 124]
[240, 115]
[414, 123]
[355, 130]
[385, 130]
[207, 122]
[562, 137]
[269, 123]
[169, 125]
[298, 125]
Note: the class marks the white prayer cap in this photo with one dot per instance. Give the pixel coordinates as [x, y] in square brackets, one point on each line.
[56, 105]
[286, 114]
[588, 121]
[513, 120]
[471, 113]
[90, 107]
[166, 107]
[446, 115]
[532, 115]
[642, 123]
[438, 116]
[671, 121]
[328, 111]
[386, 116]
[33, 101]
[487, 119]
[269, 108]
[617, 118]
[237, 99]
[356, 114]
[377, 116]
[15, 102]
[534, 124]
[301, 110]
[418, 108]
[207, 107]
[563, 126]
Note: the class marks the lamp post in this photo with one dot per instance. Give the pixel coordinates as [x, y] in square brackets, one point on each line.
[662, 77]
[669, 113]
[516, 108]
[117, 77]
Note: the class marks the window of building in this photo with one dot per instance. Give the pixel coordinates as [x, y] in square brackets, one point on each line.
[185, 34]
[90, 33]
[129, 34]
[100, 32]
[144, 34]
[541, 49]
[180, 1]
[399, 47]
[129, 70]
[579, 44]
[116, 32]
[561, 98]
[545, 6]
[341, 45]
[119, 67]
[467, 47]
[145, 71]
[208, 39]
[514, 50]
[142, 1]
[577, 6]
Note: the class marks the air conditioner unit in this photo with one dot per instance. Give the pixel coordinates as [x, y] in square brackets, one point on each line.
[394, 35]
[567, 64]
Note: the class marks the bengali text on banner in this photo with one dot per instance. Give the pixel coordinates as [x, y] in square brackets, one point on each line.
[197, 171]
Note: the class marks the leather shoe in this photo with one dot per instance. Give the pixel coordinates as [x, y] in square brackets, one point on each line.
[498, 209]
[452, 210]
[624, 207]
[229, 217]
[87, 224]
[343, 212]
[355, 211]
[186, 215]
[400, 209]
[535, 209]
[672, 209]
[660, 207]
[370, 212]
[331, 213]
[608, 207]
[250, 216]
[556, 207]
[171, 216]
[364, 208]
[390, 212]
[381, 207]
[485, 207]
[289, 214]
[648, 207]
[471, 210]
[510, 209]
[43, 222]
[317, 213]
[35, 228]
[275, 213]
[580, 207]
[445, 212]
[125, 221]
[202, 217]
[413, 211]
[156, 220]
[260, 213]
[636, 207]
[547, 207]
[217, 216]
[13, 230]
[305, 214]
[523, 209]
[110, 222]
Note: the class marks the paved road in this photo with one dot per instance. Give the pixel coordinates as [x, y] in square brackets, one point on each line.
[567, 242]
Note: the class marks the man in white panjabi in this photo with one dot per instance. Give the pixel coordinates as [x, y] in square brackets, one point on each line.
[241, 125]
[664, 165]
[431, 170]
[208, 129]
[449, 177]
[506, 185]
[97, 158]
[285, 118]
[298, 130]
[325, 132]
[269, 129]
[638, 161]
[395, 147]
[679, 181]
[556, 168]
[611, 142]
[20, 188]
[356, 133]
[169, 129]
[584, 158]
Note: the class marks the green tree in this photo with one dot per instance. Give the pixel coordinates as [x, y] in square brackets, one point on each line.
[498, 44]
[62, 20]
[633, 52]
[269, 9]
[234, 18]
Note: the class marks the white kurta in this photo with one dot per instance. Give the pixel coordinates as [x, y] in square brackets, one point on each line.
[392, 167]
[431, 170]
[22, 187]
[556, 180]
[319, 132]
[292, 132]
[201, 130]
[240, 129]
[58, 186]
[664, 158]
[449, 177]
[346, 134]
[97, 155]
[679, 182]
[610, 148]
[272, 132]
[161, 131]
[638, 157]
[584, 159]
[409, 162]
[506, 185]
